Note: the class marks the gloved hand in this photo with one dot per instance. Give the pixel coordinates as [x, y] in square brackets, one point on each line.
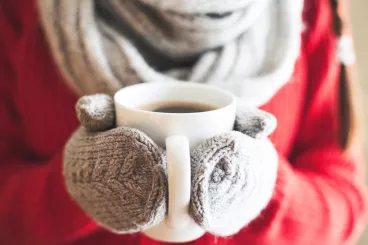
[117, 175]
[234, 174]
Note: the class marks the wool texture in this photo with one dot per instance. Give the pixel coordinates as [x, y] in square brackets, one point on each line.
[117, 176]
[248, 47]
[97, 112]
[233, 178]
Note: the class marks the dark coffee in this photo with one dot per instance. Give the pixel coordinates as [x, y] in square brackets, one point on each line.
[177, 107]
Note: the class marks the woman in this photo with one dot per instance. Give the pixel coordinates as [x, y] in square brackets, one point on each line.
[53, 52]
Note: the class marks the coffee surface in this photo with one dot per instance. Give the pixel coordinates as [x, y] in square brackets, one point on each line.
[177, 107]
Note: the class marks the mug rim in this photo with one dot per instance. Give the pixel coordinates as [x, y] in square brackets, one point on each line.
[118, 94]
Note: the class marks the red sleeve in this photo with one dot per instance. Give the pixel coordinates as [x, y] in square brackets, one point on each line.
[34, 206]
[320, 196]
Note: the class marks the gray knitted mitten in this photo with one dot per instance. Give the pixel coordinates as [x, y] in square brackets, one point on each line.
[228, 173]
[116, 175]
[255, 123]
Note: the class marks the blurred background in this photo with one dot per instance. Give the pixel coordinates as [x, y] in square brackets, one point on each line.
[359, 25]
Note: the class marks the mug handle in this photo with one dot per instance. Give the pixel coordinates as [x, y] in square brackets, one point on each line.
[179, 181]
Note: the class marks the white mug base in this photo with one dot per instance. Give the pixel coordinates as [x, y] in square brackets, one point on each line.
[164, 233]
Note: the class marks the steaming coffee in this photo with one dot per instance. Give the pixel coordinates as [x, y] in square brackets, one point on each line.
[177, 107]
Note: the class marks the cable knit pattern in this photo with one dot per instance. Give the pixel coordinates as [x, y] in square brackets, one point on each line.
[231, 184]
[117, 176]
[216, 181]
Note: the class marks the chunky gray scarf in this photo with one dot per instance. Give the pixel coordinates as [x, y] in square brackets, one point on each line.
[246, 46]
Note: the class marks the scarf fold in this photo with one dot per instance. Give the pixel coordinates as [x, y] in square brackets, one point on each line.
[246, 46]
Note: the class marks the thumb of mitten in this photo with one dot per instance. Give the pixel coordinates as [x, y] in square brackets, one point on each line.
[255, 123]
[96, 112]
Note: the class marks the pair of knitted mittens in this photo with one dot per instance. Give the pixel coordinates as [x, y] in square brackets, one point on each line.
[118, 175]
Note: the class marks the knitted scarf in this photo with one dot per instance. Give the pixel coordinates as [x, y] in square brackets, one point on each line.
[248, 47]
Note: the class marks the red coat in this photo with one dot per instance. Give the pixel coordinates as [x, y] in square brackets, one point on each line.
[318, 198]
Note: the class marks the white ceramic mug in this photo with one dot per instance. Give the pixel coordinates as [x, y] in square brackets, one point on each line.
[178, 133]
